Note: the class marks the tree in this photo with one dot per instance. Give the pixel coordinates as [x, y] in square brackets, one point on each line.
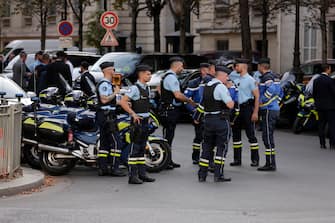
[41, 9]
[269, 9]
[136, 6]
[319, 10]
[154, 10]
[245, 29]
[95, 32]
[180, 9]
[78, 10]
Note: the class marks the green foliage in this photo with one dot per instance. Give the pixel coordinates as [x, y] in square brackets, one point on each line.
[95, 32]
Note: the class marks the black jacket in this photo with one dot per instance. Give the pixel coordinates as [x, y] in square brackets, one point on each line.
[324, 93]
[53, 71]
[87, 84]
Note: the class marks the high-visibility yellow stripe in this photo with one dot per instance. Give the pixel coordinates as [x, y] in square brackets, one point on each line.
[237, 146]
[254, 147]
[68, 99]
[103, 155]
[132, 162]
[203, 164]
[51, 126]
[219, 162]
[29, 121]
[141, 162]
[116, 154]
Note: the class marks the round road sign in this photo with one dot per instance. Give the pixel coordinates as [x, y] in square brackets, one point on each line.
[65, 28]
[109, 20]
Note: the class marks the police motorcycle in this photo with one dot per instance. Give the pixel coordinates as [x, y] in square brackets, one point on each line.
[48, 105]
[307, 116]
[289, 103]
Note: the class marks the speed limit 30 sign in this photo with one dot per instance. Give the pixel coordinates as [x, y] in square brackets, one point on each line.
[109, 20]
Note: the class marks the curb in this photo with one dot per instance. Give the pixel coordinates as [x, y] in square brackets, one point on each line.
[30, 179]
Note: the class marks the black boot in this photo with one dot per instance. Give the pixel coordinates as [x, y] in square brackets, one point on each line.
[118, 173]
[267, 166]
[237, 157]
[254, 158]
[222, 179]
[103, 166]
[146, 178]
[273, 163]
[143, 175]
[195, 156]
[202, 173]
[134, 180]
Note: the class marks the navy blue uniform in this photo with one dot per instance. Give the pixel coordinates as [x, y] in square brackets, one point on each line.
[139, 95]
[195, 91]
[270, 96]
[216, 128]
[109, 135]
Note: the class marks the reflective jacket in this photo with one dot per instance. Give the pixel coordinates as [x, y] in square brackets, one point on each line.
[270, 91]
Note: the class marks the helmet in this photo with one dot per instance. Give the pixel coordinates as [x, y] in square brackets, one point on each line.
[50, 95]
[75, 99]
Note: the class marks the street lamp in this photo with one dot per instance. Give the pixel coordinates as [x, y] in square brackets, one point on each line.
[296, 55]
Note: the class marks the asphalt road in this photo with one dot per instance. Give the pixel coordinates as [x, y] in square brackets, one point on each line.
[302, 190]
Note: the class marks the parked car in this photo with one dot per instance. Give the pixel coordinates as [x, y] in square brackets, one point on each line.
[12, 89]
[314, 67]
[125, 63]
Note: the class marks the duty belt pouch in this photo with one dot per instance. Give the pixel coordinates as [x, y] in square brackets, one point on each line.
[225, 115]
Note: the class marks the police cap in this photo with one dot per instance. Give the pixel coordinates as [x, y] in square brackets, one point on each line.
[176, 59]
[106, 64]
[143, 67]
[242, 61]
[204, 65]
[264, 60]
[223, 69]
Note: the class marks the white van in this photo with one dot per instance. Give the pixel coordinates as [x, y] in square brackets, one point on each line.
[30, 46]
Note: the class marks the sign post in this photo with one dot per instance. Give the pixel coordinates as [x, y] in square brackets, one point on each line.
[65, 29]
[109, 20]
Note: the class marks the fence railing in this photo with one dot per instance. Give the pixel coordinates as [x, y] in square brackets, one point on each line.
[10, 138]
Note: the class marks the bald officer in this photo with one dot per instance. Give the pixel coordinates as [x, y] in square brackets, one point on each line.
[248, 103]
[217, 104]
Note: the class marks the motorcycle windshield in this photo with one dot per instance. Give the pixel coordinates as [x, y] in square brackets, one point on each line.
[287, 77]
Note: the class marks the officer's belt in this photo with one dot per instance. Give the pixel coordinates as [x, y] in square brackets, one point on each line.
[247, 103]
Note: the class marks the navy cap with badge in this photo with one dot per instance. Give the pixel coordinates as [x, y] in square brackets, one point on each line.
[242, 61]
[264, 60]
[105, 65]
[176, 59]
[143, 67]
[223, 69]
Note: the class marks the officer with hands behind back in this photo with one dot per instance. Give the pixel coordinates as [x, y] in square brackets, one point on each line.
[106, 120]
[138, 95]
[217, 104]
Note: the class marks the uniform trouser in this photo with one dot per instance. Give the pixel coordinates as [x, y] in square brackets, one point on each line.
[169, 123]
[327, 116]
[269, 119]
[244, 119]
[109, 151]
[216, 134]
[139, 137]
[199, 135]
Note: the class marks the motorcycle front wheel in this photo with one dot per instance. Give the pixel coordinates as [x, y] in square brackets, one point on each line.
[161, 158]
[54, 166]
[31, 156]
[298, 125]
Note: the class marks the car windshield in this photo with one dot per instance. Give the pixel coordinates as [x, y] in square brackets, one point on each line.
[124, 63]
[6, 51]
[11, 88]
[29, 61]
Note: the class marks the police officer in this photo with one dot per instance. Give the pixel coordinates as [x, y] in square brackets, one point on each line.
[171, 101]
[195, 91]
[86, 80]
[216, 102]
[140, 106]
[248, 100]
[270, 96]
[106, 120]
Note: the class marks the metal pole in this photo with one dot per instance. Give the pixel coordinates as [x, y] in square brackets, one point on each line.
[109, 49]
[65, 15]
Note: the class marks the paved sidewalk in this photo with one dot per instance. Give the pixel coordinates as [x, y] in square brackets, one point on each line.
[30, 179]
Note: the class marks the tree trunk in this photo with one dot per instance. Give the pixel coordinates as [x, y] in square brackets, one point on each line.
[157, 35]
[264, 28]
[323, 24]
[133, 34]
[245, 29]
[182, 29]
[43, 20]
[296, 60]
[80, 28]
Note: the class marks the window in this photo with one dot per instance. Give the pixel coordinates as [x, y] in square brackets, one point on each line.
[28, 21]
[6, 22]
[52, 14]
[310, 40]
[5, 11]
[222, 8]
[222, 44]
